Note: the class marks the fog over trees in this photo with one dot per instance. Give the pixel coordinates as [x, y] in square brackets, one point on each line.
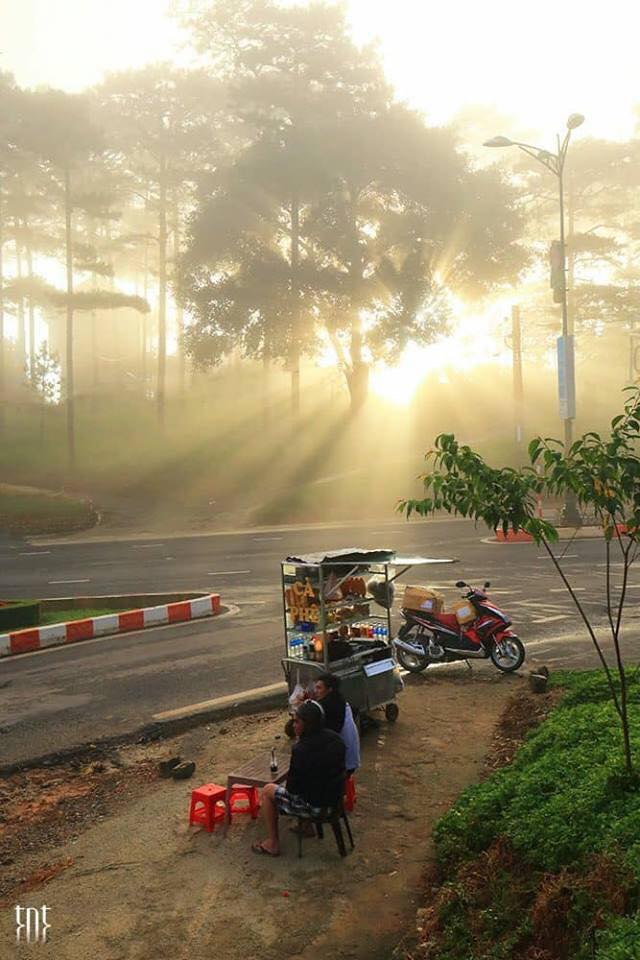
[273, 202]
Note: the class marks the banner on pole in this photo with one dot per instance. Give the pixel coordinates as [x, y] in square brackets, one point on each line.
[566, 378]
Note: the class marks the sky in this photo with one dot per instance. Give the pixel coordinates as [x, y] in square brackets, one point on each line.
[536, 63]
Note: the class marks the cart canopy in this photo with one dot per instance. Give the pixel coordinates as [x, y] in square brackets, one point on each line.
[354, 555]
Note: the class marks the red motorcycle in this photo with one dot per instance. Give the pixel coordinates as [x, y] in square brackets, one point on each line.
[427, 638]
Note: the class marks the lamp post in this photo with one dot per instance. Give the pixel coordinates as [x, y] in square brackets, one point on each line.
[555, 162]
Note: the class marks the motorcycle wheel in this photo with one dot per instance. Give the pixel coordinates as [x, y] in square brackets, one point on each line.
[412, 662]
[513, 656]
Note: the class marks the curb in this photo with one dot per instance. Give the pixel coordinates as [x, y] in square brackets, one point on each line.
[564, 533]
[57, 634]
[244, 703]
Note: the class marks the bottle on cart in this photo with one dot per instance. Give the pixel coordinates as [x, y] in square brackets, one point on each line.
[273, 766]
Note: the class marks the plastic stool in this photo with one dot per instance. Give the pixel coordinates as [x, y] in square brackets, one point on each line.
[247, 797]
[208, 806]
[349, 794]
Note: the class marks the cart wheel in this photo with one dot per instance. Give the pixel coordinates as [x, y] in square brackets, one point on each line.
[288, 729]
[391, 712]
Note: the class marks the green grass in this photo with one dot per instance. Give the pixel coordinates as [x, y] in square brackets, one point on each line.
[29, 510]
[562, 821]
[63, 616]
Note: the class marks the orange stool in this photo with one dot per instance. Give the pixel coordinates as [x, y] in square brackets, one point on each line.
[248, 799]
[349, 794]
[208, 806]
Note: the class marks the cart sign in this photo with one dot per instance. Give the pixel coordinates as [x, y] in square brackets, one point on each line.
[382, 666]
[566, 378]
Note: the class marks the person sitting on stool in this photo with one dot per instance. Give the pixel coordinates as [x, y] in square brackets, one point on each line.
[315, 780]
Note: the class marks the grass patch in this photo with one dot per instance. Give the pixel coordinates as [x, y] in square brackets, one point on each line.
[27, 510]
[546, 853]
[64, 616]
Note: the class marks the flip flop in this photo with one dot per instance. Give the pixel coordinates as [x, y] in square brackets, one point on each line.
[258, 847]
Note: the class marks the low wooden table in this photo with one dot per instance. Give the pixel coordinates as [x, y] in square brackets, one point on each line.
[256, 773]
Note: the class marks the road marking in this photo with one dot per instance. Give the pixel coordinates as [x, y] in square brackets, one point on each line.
[245, 603]
[261, 539]
[69, 581]
[146, 546]
[558, 616]
[564, 556]
[564, 589]
[34, 553]
[225, 573]
[536, 603]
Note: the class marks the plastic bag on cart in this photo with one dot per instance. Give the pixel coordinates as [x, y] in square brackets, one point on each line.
[300, 693]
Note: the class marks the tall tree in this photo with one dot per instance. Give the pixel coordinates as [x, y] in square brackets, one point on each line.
[163, 122]
[60, 130]
[355, 201]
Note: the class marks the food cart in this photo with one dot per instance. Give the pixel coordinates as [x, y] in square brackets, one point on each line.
[337, 617]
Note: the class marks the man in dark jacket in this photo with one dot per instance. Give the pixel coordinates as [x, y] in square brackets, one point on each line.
[316, 776]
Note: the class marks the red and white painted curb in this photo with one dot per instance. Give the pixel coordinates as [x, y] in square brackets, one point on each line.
[38, 638]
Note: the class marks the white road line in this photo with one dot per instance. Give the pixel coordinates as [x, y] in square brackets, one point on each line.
[536, 603]
[246, 603]
[558, 616]
[261, 539]
[69, 581]
[225, 573]
[565, 556]
[146, 546]
[34, 553]
[564, 589]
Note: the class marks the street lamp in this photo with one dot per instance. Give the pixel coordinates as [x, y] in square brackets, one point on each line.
[566, 376]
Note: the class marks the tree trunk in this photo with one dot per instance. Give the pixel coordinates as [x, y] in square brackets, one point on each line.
[69, 383]
[182, 359]
[32, 319]
[358, 375]
[294, 355]
[162, 290]
[2, 354]
[144, 333]
[21, 318]
[358, 383]
[266, 412]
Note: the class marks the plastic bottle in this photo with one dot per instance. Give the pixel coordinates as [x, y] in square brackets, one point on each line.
[273, 766]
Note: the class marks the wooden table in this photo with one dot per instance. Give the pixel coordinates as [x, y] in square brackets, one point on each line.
[256, 773]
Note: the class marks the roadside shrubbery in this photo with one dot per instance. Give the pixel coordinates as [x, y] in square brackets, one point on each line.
[18, 614]
[545, 853]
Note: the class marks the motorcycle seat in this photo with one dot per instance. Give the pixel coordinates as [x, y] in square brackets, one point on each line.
[447, 620]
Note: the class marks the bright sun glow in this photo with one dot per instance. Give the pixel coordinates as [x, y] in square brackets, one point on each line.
[476, 339]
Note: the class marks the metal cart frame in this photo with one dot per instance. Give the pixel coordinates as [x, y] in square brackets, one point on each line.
[370, 677]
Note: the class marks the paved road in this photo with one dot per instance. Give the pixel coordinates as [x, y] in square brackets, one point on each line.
[69, 695]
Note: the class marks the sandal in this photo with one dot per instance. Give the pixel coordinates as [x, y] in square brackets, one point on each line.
[258, 847]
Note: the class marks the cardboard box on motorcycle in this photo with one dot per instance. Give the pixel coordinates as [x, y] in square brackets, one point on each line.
[422, 598]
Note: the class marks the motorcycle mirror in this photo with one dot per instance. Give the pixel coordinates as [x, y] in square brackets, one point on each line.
[487, 584]
[460, 584]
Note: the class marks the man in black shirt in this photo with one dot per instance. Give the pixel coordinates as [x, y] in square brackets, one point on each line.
[316, 776]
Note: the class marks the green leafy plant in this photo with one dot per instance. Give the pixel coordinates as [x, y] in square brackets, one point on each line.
[603, 473]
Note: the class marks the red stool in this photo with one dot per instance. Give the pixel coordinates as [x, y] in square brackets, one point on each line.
[349, 794]
[208, 806]
[247, 798]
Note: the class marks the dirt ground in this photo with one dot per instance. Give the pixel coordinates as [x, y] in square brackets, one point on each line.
[107, 846]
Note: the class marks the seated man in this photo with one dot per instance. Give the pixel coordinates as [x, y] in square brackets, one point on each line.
[316, 776]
